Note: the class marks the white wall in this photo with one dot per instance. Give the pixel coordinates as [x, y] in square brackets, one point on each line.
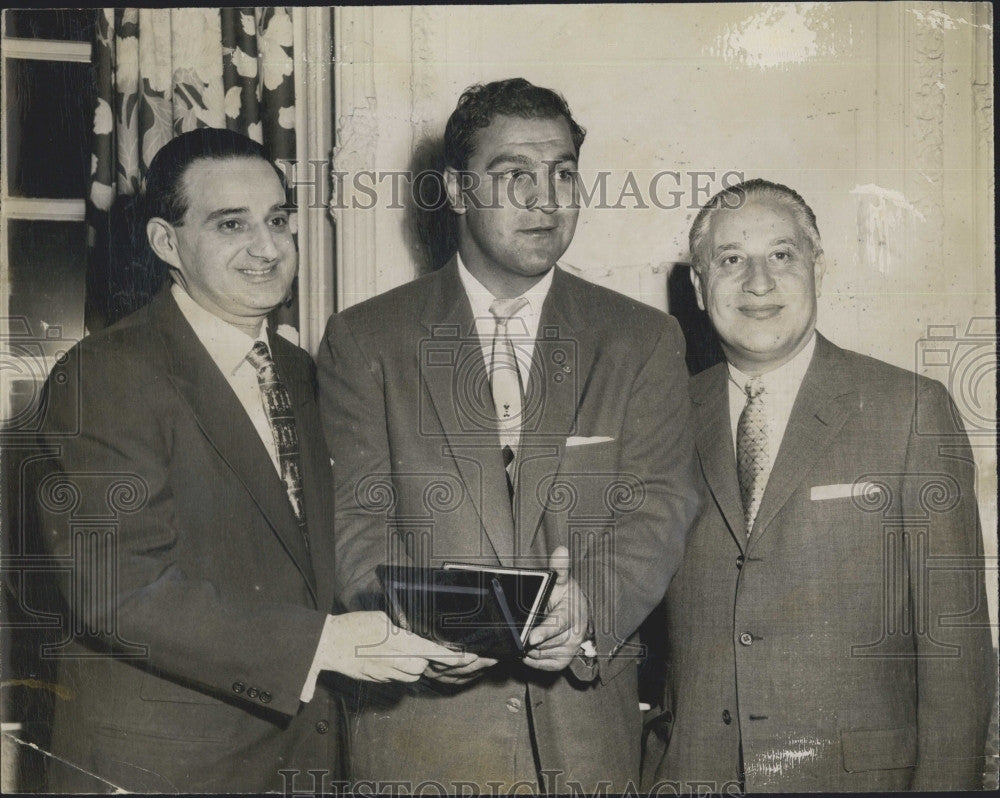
[880, 115]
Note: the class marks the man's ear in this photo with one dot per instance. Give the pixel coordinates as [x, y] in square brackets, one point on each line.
[453, 186]
[819, 269]
[163, 240]
[696, 282]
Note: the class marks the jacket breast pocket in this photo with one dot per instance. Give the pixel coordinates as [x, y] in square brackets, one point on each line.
[879, 749]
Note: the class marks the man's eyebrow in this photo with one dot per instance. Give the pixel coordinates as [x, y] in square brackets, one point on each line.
[521, 160]
[731, 245]
[506, 157]
[784, 241]
[223, 212]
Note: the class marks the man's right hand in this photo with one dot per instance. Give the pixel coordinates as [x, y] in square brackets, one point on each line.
[459, 672]
[368, 646]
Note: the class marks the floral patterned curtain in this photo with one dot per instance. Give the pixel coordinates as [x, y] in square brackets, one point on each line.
[159, 73]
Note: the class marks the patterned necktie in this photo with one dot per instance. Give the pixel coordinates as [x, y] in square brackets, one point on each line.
[751, 451]
[505, 383]
[278, 407]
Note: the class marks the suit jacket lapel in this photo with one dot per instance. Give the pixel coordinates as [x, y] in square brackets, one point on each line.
[225, 424]
[454, 371]
[561, 364]
[713, 435]
[823, 404]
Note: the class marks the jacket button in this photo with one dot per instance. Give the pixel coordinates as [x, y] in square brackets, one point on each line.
[322, 726]
[739, 562]
[726, 717]
[746, 638]
[251, 692]
[238, 687]
[514, 704]
[265, 697]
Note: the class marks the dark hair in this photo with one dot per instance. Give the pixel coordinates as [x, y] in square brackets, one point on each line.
[512, 97]
[162, 193]
[737, 196]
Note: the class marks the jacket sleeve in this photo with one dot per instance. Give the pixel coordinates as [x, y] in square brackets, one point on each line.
[654, 505]
[956, 669]
[126, 588]
[352, 407]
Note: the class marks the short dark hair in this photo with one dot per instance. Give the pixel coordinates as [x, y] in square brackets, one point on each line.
[162, 193]
[737, 196]
[512, 97]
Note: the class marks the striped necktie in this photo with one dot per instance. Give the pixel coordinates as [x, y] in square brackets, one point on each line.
[278, 407]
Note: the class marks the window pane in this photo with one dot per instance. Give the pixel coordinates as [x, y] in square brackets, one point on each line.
[47, 286]
[62, 24]
[50, 106]
[48, 275]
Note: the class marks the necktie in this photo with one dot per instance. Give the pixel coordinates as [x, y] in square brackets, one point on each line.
[278, 407]
[505, 383]
[751, 451]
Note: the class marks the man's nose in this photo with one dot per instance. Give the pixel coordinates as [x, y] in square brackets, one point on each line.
[263, 245]
[758, 279]
[548, 198]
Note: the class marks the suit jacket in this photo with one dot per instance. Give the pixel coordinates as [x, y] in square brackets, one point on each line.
[419, 477]
[845, 645]
[196, 605]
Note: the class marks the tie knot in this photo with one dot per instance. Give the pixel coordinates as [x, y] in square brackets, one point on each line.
[503, 309]
[754, 387]
[259, 355]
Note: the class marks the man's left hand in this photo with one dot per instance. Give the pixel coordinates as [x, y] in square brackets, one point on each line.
[558, 637]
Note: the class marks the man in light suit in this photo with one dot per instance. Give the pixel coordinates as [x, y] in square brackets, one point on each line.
[553, 431]
[828, 628]
[185, 498]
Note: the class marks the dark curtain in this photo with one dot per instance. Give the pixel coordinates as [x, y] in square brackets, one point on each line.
[159, 73]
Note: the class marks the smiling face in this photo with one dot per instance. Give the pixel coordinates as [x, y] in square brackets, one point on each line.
[517, 202]
[233, 251]
[758, 280]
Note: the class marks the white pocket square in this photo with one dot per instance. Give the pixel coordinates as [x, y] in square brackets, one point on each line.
[575, 440]
[848, 491]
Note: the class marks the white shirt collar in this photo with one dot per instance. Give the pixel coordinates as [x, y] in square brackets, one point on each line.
[784, 380]
[481, 298]
[227, 345]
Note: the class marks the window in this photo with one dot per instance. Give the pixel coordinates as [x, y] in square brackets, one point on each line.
[48, 107]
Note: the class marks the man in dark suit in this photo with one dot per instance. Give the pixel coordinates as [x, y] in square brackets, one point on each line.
[828, 627]
[186, 500]
[553, 430]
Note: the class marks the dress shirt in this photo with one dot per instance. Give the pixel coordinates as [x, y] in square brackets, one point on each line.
[522, 329]
[781, 386]
[228, 347]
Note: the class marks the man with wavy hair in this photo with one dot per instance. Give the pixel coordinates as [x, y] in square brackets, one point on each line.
[504, 412]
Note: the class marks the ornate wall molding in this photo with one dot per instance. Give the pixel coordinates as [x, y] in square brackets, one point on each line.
[925, 121]
[356, 141]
